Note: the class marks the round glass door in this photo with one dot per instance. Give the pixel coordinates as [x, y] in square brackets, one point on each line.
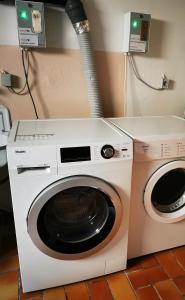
[164, 195]
[74, 216]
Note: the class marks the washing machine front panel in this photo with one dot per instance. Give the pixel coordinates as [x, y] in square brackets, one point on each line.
[43, 179]
[164, 194]
[74, 217]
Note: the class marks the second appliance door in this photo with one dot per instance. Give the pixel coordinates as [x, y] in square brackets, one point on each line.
[164, 195]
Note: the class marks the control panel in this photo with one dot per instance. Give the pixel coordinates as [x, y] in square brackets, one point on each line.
[31, 24]
[136, 32]
[95, 153]
[159, 150]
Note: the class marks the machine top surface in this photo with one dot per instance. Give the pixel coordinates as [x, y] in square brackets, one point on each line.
[154, 127]
[66, 131]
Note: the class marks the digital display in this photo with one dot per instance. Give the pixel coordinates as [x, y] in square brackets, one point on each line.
[74, 154]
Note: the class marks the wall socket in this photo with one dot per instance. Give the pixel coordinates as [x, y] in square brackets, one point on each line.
[165, 82]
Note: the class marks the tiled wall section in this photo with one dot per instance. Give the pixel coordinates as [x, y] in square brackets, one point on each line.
[58, 85]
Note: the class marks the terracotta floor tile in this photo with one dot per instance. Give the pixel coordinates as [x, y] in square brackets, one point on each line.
[180, 283]
[167, 290]
[169, 263]
[9, 264]
[54, 294]
[147, 293]
[180, 254]
[146, 277]
[99, 290]
[32, 296]
[149, 261]
[9, 286]
[120, 287]
[77, 291]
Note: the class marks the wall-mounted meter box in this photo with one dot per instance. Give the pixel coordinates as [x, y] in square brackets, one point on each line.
[136, 32]
[31, 24]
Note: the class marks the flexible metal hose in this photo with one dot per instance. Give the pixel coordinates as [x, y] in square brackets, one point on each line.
[88, 61]
[77, 15]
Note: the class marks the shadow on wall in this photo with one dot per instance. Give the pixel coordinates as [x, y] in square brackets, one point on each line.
[158, 34]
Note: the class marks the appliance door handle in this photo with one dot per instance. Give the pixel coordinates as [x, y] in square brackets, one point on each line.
[21, 170]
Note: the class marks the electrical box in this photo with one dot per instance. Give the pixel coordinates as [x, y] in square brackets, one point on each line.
[31, 24]
[136, 32]
[5, 79]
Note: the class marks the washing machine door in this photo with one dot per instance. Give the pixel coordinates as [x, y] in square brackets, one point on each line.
[164, 195]
[74, 217]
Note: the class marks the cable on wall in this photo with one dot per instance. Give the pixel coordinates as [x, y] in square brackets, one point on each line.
[136, 73]
[26, 77]
[26, 65]
[22, 91]
[125, 85]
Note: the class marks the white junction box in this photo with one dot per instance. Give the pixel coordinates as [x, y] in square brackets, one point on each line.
[136, 32]
[5, 79]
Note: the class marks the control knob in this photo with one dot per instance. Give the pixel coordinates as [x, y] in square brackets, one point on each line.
[107, 151]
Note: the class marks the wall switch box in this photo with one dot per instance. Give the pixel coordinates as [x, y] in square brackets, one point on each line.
[136, 32]
[31, 24]
[5, 79]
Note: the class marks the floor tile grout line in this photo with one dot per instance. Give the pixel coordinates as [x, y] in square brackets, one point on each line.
[177, 287]
[168, 279]
[65, 292]
[144, 286]
[161, 266]
[88, 291]
[106, 279]
[9, 271]
[130, 283]
[19, 285]
[157, 291]
[127, 272]
[177, 260]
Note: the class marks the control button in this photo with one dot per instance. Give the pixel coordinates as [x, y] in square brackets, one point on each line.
[107, 151]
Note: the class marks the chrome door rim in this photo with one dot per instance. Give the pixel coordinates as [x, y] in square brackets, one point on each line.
[63, 184]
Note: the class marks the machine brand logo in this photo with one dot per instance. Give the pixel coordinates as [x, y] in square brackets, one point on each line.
[20, 151]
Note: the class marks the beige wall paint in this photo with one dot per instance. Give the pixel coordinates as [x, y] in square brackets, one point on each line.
[68, 97]
[58, 85]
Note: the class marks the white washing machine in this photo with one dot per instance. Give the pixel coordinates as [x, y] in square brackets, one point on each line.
[157, 212]
[70, 183]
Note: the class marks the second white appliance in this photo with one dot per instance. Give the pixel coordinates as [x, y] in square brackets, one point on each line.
[157, 212]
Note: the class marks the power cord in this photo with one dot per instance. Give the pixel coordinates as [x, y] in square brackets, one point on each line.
[26, 77]
[136, 73]
[26, 65]
[22, 91]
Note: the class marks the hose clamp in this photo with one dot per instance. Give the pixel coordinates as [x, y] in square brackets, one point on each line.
[81, 27]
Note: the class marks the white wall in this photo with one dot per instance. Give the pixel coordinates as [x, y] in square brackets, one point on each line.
[166, 53]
